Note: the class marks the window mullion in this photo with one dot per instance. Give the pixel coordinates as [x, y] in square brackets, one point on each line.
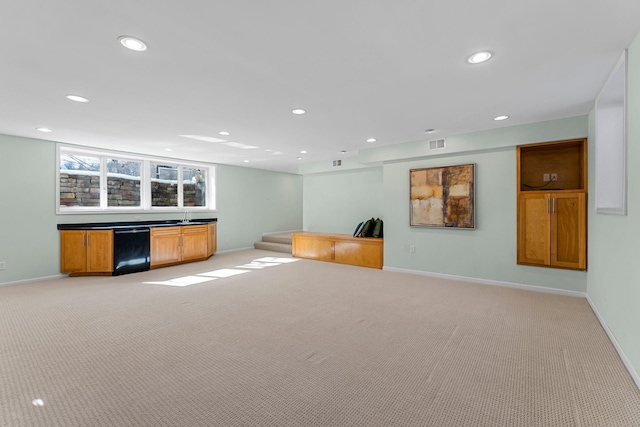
[145, 186]
[104, 182]
[180, 187]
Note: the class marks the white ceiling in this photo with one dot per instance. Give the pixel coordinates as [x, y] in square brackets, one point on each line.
[361, 68]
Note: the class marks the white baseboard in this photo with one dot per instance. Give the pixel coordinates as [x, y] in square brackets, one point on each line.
[37, 279]
[616, 345]
[489, 282]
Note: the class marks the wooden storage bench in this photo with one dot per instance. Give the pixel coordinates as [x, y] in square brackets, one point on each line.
[340, 248]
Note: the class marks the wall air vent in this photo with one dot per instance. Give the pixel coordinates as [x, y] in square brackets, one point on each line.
[435, 144]
[337, 163]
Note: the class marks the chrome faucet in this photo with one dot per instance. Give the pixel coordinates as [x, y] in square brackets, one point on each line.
[185, 218]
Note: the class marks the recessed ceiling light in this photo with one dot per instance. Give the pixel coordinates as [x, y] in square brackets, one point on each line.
[132, 43]
[168, 149]
[299, 158]
[500, 118]
[298, 111]
[77, 98]
[371, 140]
[45, 130]
[303, 152]
[479, 57]
[224, 132]
[343, 152]
[430, 130]
[246, 161]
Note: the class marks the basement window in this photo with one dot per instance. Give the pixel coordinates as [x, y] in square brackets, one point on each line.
[92, 181]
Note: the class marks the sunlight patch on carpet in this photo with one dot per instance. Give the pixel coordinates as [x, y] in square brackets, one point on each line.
[223, 272]
[182, 281]
[256, 264]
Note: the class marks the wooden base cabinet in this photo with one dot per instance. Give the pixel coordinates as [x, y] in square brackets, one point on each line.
[340, 248]
[86, 251]
[194, 242]
[165, 246]
[552, 229]
[173, 245]
[212, 240]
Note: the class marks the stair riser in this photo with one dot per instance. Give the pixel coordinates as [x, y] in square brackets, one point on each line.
[277, 239]
[275, 247]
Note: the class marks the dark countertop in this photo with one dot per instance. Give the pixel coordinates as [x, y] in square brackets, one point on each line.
[133, 224]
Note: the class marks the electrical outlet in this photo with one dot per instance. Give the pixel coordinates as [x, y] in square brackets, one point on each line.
[545, 177]
[412, 249]
[554, 177]
[3, 265]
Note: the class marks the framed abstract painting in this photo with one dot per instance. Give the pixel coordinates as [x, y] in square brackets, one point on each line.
[443, 196]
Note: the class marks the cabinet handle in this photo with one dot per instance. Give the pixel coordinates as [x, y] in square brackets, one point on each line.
[553, 205]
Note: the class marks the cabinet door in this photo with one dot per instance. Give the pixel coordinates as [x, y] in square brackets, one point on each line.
[73, 251]
[313, 247]
[534, 228]
[194, 242]
[100, 251]
[165, 245]
[361, 253]
[568, 230]
[212, 239]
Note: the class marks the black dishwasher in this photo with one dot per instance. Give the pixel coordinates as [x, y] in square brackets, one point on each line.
[131, 250]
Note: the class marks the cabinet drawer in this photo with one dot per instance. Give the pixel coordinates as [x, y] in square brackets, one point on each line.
[165, 231]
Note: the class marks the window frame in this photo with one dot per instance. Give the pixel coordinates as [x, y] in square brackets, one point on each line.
[145, 182]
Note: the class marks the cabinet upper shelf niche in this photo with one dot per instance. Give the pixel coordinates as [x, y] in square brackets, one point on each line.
[566, 159]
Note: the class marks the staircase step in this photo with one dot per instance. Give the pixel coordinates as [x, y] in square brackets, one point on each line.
[275, 247]
[284, 238]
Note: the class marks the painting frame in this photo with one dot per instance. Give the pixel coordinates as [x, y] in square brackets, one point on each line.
[443, 197]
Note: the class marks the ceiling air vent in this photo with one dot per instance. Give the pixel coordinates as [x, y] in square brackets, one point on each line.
[436, 144]
[337, 163]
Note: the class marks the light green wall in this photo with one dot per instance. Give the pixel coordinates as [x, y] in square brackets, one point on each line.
[28, 235]
[336, 202]
[613, 282]
[495, 139]
[250, 202]
[489, 251]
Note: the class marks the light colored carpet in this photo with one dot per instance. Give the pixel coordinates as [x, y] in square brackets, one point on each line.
[303, 344]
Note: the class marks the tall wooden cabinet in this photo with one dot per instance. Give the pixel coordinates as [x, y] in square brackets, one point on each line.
[552, 200]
